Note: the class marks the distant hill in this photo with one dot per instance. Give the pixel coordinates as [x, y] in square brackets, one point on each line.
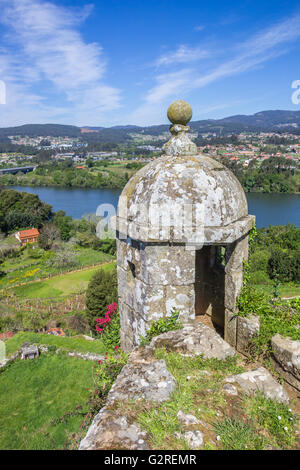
[279, 121]
[32, 130]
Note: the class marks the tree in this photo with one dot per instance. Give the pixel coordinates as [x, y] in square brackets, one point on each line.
[64, 223]
[102, 291]
[89, 162]
[64, 258]
[22, 210]
[49, 233]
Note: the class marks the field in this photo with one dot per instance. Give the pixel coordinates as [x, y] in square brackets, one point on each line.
[36, 393]
[62, 285]
[25, 268]
[286, 290]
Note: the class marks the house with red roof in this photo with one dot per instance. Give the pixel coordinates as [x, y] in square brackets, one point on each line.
[27, 236]
[56, 332]
[6, 335]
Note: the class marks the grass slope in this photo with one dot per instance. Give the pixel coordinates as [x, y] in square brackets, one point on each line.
[69, 343]
[36, 392]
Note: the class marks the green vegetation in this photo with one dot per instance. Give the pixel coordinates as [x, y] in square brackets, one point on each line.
[276, 417]
[162, 325]
[38, 392]
[276, 315]
[50, 401]
[273, 175]
[242, 422]
[194, 376]
[65, 175]
[60, 285]
[237, 435]
[18, 210]
[101, 291]
[69, 343]
[24, 267]
[60, 299]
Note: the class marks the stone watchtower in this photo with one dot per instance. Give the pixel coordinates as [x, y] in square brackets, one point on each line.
[182, 235]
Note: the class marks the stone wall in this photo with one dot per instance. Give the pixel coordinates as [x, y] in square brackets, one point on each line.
[286, 359]
[236, 253]
[153, 280]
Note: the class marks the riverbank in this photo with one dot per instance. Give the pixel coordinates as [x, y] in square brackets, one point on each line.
[269, 209]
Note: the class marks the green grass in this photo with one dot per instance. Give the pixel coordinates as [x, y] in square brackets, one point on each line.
[286, 290]
[59, 286]
[236, 435]
[276, 417]
[228, 423]
[35, 392]
[194, 376]
[9, 240]
[70, 343]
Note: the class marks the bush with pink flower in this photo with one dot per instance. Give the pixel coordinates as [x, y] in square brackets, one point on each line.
[108, 327]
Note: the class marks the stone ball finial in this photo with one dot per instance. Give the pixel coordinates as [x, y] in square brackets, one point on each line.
[180, 112]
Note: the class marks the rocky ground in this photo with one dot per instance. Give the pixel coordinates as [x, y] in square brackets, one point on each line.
[190, 390]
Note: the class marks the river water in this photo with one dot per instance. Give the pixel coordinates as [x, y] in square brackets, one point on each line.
[269, 209]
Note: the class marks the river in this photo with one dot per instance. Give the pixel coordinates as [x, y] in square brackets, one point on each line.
[269, 209]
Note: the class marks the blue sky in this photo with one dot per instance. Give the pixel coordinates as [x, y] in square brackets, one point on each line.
[123, 62]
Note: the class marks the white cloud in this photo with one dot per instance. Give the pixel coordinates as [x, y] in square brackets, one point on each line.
[51, 52]
[252, 53]
[183, 54]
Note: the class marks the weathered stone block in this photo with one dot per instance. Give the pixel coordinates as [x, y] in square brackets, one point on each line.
[233, 287]
[181, 298]
[247, 328]
[151, 381]
[164, 264]
[194, 340]
[230, 328]
[260, 380]
[287, 355]
[109, 430]
[236, 253]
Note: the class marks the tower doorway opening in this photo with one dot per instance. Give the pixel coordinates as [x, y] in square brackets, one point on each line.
[210, 286]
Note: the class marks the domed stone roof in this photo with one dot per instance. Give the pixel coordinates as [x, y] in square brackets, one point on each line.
[183, 180]
[192, 179]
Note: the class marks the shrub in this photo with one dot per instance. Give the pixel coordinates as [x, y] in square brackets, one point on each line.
[78, 322]
[109, 369]
[35, 253]
[285, 265]
[102, 291]
[109, 326]
[106, 245]
[64, 258]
